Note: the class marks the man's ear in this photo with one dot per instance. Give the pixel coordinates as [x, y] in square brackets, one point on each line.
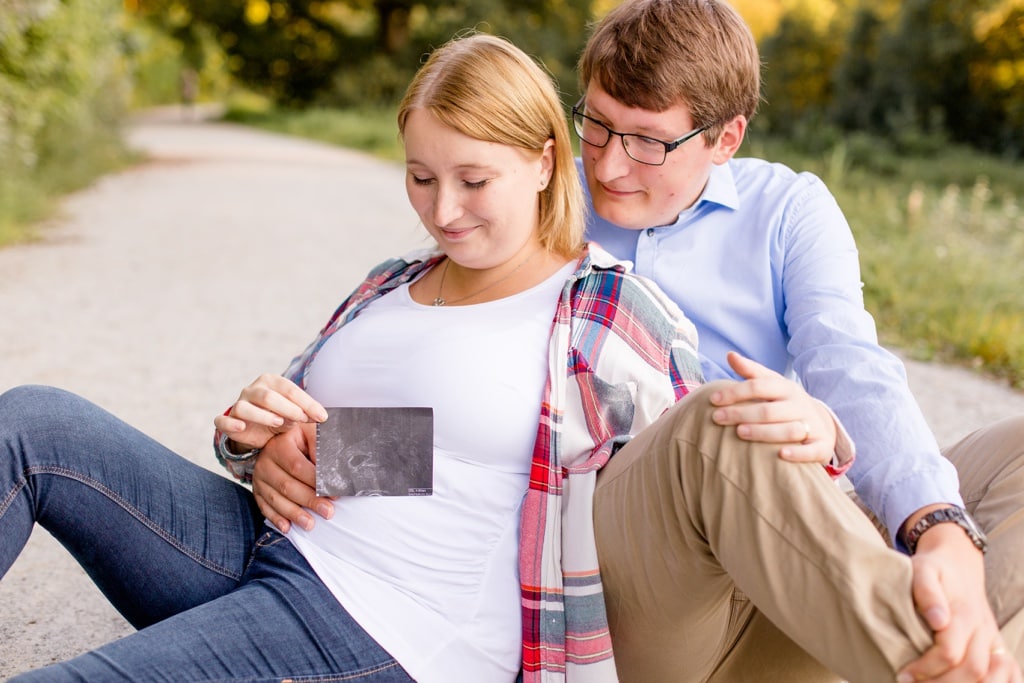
[730, 140]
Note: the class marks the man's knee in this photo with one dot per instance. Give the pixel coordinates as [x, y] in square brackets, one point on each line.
[696, 407]
[692, 422]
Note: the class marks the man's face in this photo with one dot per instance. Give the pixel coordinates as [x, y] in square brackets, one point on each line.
[634, 195]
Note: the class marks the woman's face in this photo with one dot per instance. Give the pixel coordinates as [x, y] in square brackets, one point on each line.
[478, 199]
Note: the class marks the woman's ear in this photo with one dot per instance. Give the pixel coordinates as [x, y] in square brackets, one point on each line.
[547, 164]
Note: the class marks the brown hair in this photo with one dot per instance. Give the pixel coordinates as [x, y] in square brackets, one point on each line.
[490, 90]
[656, 54]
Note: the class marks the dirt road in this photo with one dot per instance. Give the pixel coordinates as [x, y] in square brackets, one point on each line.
[161, 291]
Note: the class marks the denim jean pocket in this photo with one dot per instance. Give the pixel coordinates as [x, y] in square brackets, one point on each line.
[267, 539]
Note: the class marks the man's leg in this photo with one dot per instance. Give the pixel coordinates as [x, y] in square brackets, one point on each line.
[990, 463]
[282, 623]
[686, 514]
[157, 533]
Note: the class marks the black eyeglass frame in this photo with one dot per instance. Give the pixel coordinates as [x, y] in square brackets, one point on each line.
[669, 145]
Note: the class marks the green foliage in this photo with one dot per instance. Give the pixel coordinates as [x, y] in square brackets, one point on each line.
[799, 59]
[358, 52]
[369, 129]
[918, 74]
[62, 94]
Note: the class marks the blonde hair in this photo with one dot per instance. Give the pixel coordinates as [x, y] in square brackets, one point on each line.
[656, 54]
[490, 90]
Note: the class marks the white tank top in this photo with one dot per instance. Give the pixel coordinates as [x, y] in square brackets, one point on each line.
[434, 579]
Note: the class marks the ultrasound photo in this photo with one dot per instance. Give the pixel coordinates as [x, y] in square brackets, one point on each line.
[375, 452]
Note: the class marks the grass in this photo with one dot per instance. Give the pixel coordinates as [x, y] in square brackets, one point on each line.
[370, 130]
[29, 197]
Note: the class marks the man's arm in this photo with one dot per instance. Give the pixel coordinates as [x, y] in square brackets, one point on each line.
[899, 472]
[284, 482]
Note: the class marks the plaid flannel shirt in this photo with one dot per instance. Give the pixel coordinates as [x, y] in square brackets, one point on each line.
[620, 354]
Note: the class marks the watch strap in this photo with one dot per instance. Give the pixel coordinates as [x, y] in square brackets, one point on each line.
[951, 515]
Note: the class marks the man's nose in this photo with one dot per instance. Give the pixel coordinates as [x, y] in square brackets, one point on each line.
[611, 161]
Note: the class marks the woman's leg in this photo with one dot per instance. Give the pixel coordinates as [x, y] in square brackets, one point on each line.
[157, 533]
[687, 515]
[990, 463]
[280, 624]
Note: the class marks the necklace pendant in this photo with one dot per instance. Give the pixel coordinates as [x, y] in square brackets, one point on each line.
[438, 301]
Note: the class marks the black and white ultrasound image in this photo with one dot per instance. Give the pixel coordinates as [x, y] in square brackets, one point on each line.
[375, 452]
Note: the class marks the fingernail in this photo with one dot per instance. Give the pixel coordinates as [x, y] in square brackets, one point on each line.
[743, 430]
[307, 522]
[934, 616]
[716, 397]
[325, 510]
[718, 415]
[278, 421]
[905, 677]
[321, 415]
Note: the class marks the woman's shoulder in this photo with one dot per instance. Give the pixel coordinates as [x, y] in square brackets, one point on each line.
[612, 282]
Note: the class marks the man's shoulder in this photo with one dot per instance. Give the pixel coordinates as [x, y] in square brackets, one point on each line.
[752, 170]
[761, 183]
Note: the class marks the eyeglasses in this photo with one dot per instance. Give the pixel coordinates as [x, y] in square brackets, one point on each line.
[646, 150]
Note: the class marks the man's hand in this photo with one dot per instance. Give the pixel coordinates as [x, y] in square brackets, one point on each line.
[770, 408]
[949, 591]
[284, 480]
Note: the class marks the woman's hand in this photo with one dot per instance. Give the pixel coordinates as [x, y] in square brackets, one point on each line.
[770, 408]
[269, 406]
[284, 480]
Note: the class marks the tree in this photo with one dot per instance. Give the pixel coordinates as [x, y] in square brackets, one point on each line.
[854, 104]
[997, 77]
[799, 61]
[299, 51]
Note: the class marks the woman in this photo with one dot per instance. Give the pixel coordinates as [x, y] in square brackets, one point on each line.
[393, 589]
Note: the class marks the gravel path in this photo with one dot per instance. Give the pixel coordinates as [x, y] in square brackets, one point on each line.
[162, 290]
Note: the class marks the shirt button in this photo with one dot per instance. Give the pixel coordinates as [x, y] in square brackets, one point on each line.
[650, 232]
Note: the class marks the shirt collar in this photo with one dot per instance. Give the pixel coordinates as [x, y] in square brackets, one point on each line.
[721, 188]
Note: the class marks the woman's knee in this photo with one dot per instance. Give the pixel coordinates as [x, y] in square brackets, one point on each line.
[31, 403]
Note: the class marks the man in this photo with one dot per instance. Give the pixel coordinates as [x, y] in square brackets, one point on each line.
[763, 262]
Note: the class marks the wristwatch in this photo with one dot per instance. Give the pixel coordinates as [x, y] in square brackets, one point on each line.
[953, 515]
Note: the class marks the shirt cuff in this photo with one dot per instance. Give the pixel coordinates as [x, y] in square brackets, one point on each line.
[845, 452]
[239, 469]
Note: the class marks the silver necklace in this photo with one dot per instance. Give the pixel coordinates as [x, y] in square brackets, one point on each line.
[439, 300]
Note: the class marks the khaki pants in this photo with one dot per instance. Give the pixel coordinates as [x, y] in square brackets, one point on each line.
[718, 558]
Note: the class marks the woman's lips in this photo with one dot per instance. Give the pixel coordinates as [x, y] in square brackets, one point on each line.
[456, 234]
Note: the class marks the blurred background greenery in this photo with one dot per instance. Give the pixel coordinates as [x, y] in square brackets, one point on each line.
[912, 112]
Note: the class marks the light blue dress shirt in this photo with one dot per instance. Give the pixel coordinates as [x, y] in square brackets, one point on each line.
[764, 263]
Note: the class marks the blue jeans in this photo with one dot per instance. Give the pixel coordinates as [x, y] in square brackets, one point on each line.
[181, 552]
